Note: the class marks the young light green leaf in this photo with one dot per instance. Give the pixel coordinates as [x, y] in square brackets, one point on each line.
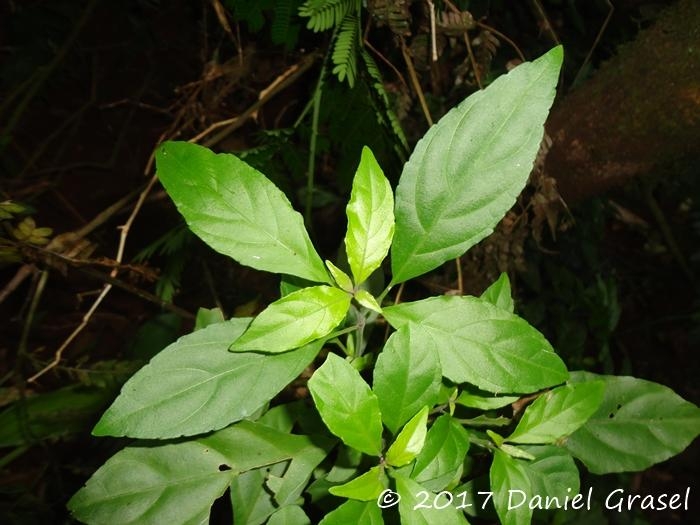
[482, 344]
[177, 482]
[467, 170]
[406, 377]
[515, 452]
[367, 300]
[442, 457]
[352, 511]
[558, 413]
[370, 218]
[207, 316]
[419, 506]
[472, 397]
[366, 487]
[188, 388]
[294, 320]
[499, 293]
[511, 489]
[638, 424]
[410, 440]
[237, 211]
[341, 278]
[347, 406]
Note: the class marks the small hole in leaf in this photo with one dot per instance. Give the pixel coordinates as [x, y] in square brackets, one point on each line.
[223, 467]
[611, 415]
[619, 406]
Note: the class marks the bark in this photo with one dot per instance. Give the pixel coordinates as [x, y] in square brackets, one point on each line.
[639, 114]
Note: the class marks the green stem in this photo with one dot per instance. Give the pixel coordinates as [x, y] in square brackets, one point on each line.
[312, 147]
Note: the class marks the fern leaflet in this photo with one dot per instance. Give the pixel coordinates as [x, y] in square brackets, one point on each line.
[345, 50]
[325, 14]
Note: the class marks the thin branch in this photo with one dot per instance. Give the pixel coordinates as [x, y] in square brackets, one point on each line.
[416, 84]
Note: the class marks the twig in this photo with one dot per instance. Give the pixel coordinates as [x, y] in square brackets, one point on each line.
[279, 84]
[433, 35]
[595, 42]
[105, 290]
[546, 25]
[472, 59]
[503, 37]
[22, 273]
[416, 84]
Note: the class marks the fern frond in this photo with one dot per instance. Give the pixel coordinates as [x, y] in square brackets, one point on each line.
[345, 50]
[325, 14]
[279, 31]
[378, 85]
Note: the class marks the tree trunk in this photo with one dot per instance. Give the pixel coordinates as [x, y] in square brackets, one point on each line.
[639, 114]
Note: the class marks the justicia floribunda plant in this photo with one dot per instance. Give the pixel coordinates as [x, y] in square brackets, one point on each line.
[405, 422]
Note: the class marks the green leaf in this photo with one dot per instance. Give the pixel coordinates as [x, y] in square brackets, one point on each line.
[553, 474]
[482, 344]
[288, 486]
[406, 376]
[511, 487]
[558, 413]
[441, 459]
[340, 277]
[410, 440]
[370, 218]
[289, 515]
[237, 211]
[499, 294]
[366, 487]
[177, 482]
[419, 506]
[207, 316]
[294, 320]
[196, 385]
[367, 300]
[251, 501]
[472, 397]
[467, 170]
[638, 424]
[347, 406]
[352, 511]
[52, 415]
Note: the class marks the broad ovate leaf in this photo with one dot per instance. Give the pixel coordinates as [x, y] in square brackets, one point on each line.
[196, 385]
[366, 487]
[558, 413]
[406, 377]
[353, 511]
[294, 320]
[499, 293]
[347, 406]
[370, 218]
[482, 344]
[237, 211]
[553, 474]
[177, 482]
[511, 488]
[410, 440]
[638, 424]
[442, 457]
[467, 170]
[419, 506]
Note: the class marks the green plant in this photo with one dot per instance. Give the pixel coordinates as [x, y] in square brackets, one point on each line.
[437, 417]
